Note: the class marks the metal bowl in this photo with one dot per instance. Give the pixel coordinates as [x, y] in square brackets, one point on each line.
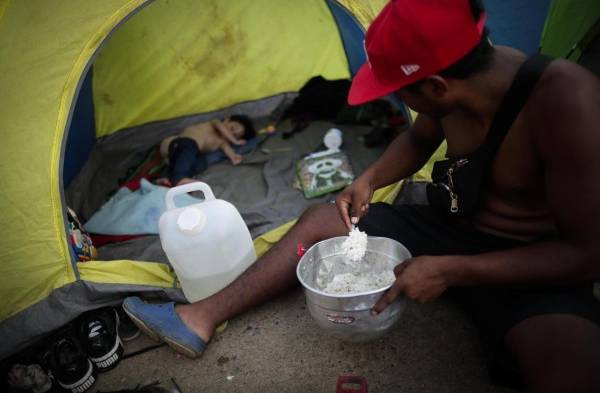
[348, 316]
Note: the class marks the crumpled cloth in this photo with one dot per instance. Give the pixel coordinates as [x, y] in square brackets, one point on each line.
[134, 212]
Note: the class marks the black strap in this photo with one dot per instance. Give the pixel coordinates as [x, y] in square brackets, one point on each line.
[515, 98]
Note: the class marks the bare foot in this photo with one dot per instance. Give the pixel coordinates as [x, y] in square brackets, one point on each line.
[196, 322]
[186, 180]
[163, 181]
[235, 160]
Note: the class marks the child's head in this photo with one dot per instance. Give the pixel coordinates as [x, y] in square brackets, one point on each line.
[248, 128]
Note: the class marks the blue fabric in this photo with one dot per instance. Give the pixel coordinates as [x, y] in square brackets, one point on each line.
[134, 212]
[352, 35]
[517, 23]
[81, 136]
[161, 322]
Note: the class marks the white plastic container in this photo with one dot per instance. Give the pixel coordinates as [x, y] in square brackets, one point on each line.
[208, 244]
[333, 139]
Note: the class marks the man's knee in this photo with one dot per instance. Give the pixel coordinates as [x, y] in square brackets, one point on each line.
[557, 352]
[315, 211]
[323, 221]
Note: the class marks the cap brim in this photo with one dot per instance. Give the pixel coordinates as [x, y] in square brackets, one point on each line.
[365, 87]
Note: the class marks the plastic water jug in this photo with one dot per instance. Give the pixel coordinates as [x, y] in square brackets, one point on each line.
[208, 243]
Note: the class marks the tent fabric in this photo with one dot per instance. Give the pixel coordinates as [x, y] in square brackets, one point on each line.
[352, 35]
[364, 10]
[517, 23]
[54, 311]
[42, 59]
[266, 176]
[150, 274]
[99, 180]
[168, 62]
[81, 135]
[568, 23]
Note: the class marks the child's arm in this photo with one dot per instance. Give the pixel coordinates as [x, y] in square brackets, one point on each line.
[225, 133]
[230, 153]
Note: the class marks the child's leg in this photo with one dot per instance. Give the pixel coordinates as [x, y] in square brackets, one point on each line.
[183, 156]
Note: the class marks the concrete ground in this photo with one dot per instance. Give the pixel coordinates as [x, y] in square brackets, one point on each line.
[278, 348]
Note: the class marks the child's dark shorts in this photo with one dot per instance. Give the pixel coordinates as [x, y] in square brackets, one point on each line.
[494, 309]
[185, 159]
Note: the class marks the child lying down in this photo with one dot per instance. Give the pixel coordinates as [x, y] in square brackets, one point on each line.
[186, 151]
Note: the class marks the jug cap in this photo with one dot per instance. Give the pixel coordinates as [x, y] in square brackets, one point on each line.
[191, 220]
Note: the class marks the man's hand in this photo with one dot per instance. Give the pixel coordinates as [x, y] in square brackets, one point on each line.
[422, 279]
[353, 202]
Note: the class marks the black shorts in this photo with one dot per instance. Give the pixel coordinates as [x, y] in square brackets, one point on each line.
[494, 309]
[185, 159]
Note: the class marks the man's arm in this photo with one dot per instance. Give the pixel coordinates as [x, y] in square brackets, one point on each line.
[568, 143]
[405, 155]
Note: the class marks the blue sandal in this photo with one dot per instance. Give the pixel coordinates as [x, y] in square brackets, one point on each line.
[161, 323]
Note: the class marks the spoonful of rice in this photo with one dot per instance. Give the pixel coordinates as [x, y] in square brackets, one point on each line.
[355, 246]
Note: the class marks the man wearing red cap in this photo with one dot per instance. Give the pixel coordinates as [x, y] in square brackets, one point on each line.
[511, 229]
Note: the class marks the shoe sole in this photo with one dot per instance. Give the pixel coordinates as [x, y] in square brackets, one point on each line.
[124, 337]
[84, 384]
[110, 359]
[153, 335]
[132, 337]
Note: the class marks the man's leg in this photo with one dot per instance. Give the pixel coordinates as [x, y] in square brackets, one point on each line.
[557, 353]
[269, 276]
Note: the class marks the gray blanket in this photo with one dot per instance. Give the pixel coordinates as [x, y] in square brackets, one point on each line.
[260, 187]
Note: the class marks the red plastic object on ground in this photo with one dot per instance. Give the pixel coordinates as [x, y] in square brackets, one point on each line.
[351, 384]
[300, 250]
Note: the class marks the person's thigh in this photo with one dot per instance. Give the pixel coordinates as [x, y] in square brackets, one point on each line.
[424, 232]
[557, 353]
[499, 310]
[507, 319]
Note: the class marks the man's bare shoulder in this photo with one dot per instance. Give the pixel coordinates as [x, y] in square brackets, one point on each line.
[567, 84]
[567, 94]
[563, 113]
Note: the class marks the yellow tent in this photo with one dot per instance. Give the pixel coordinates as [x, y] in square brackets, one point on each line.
[151, 61]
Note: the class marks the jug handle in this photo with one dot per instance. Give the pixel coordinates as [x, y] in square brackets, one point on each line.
[190, 187]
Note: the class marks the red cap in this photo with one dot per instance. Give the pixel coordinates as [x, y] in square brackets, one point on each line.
[410, 40]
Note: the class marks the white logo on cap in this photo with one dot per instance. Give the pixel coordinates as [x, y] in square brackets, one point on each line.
[409, 68]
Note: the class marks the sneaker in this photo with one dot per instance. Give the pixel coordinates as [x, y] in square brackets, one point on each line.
[100, 337]
[128, 331]
[69, 365]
